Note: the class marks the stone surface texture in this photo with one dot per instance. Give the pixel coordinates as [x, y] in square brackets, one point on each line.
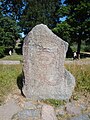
[27, 114]
[8, 109]
[40, 112]
[60, 111]
[48, 113]
[81, 117]
[45, 76]
[73, 109]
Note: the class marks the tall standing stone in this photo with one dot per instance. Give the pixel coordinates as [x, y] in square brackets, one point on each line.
[44, 55]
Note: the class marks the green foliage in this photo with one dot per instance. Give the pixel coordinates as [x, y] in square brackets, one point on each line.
[33, 12]
[2, 49]
[76, 27]
[84, 48]
[9, 32]
[37, 12]
[54, 102]
[87, 48]
[79, 19]
[12, 8]
[63, 30]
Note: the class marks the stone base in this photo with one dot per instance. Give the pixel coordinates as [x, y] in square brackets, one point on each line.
[45, 112]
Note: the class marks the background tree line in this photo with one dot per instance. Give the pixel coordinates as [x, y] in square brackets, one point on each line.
[17, 16]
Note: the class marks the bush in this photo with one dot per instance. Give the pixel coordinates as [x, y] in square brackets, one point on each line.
[2, 49]
[87, 48]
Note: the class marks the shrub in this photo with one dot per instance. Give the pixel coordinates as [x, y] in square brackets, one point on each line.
[2, 49]
[87, 48]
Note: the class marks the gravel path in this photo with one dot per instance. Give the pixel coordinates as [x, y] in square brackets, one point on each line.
[78, 62]
[9, 62]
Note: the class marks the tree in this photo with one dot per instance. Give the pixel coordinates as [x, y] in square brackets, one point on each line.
[40, 11]
[9, 32]
[76, 27]
[12, 8]
[63, 30]
[32, 12]
[79, 20]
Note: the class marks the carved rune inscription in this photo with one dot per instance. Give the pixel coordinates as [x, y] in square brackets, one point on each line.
[46, 65]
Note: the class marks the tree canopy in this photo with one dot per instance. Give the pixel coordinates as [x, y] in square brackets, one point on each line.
[28, 13]
[40, 11]
[12, 8]
[32, 12]
[9, 32]
[77, 23]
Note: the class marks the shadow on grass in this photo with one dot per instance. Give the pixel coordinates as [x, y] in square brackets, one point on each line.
[21, 82]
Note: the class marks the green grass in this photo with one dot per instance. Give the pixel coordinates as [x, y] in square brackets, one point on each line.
[53, 102]
[81, 74]
[12, 57]
[8, 79]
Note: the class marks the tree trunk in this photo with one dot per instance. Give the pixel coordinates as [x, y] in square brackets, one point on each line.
[78, 49]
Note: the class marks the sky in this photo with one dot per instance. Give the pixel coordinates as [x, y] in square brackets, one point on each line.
[62, 1]
[63, 19]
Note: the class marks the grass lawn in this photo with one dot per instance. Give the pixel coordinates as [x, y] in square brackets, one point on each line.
[81, 74]
[8, 79]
